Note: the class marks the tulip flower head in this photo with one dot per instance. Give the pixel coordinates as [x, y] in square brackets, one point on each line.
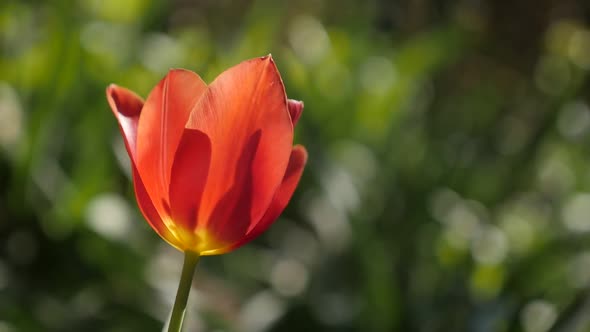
[213, 165]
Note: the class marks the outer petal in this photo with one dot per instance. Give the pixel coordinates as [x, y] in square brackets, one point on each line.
[149, 211]
[127, 106]
[160, 128]
[283, 195]
[281, 199]
[295, 109]
[245, 114]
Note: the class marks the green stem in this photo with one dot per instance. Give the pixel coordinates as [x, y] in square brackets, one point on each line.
[184, 288]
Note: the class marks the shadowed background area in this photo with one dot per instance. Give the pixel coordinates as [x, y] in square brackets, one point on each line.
[447, 189]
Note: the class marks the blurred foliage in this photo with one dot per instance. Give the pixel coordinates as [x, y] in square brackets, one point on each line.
[448, 187]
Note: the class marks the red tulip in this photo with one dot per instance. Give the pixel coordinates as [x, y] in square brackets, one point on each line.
[213, 165]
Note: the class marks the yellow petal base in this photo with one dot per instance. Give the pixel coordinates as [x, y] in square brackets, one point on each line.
[198, 241]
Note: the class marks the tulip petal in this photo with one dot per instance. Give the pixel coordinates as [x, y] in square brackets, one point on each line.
[149, 211]
[283, 195]
[160, 128]
[295, 109]
[244, 102]
[231, 216]
[189, 175]
[281, 199]
[126, 106]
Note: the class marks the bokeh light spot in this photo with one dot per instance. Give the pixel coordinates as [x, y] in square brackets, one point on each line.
[538, 316]
[309, 39]
[160, 52]
[575, 212]
[574, 120]
[489, 246]
[377, 75]
[289, 277]
[110, 216]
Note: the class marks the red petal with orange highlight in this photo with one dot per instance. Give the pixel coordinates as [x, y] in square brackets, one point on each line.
[160, 128]
[245, 115]
[281, 199]
[127, 107]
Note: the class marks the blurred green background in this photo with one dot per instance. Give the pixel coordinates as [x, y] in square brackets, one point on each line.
[448, 187]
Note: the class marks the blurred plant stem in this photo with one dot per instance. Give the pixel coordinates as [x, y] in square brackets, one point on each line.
[184, 288]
